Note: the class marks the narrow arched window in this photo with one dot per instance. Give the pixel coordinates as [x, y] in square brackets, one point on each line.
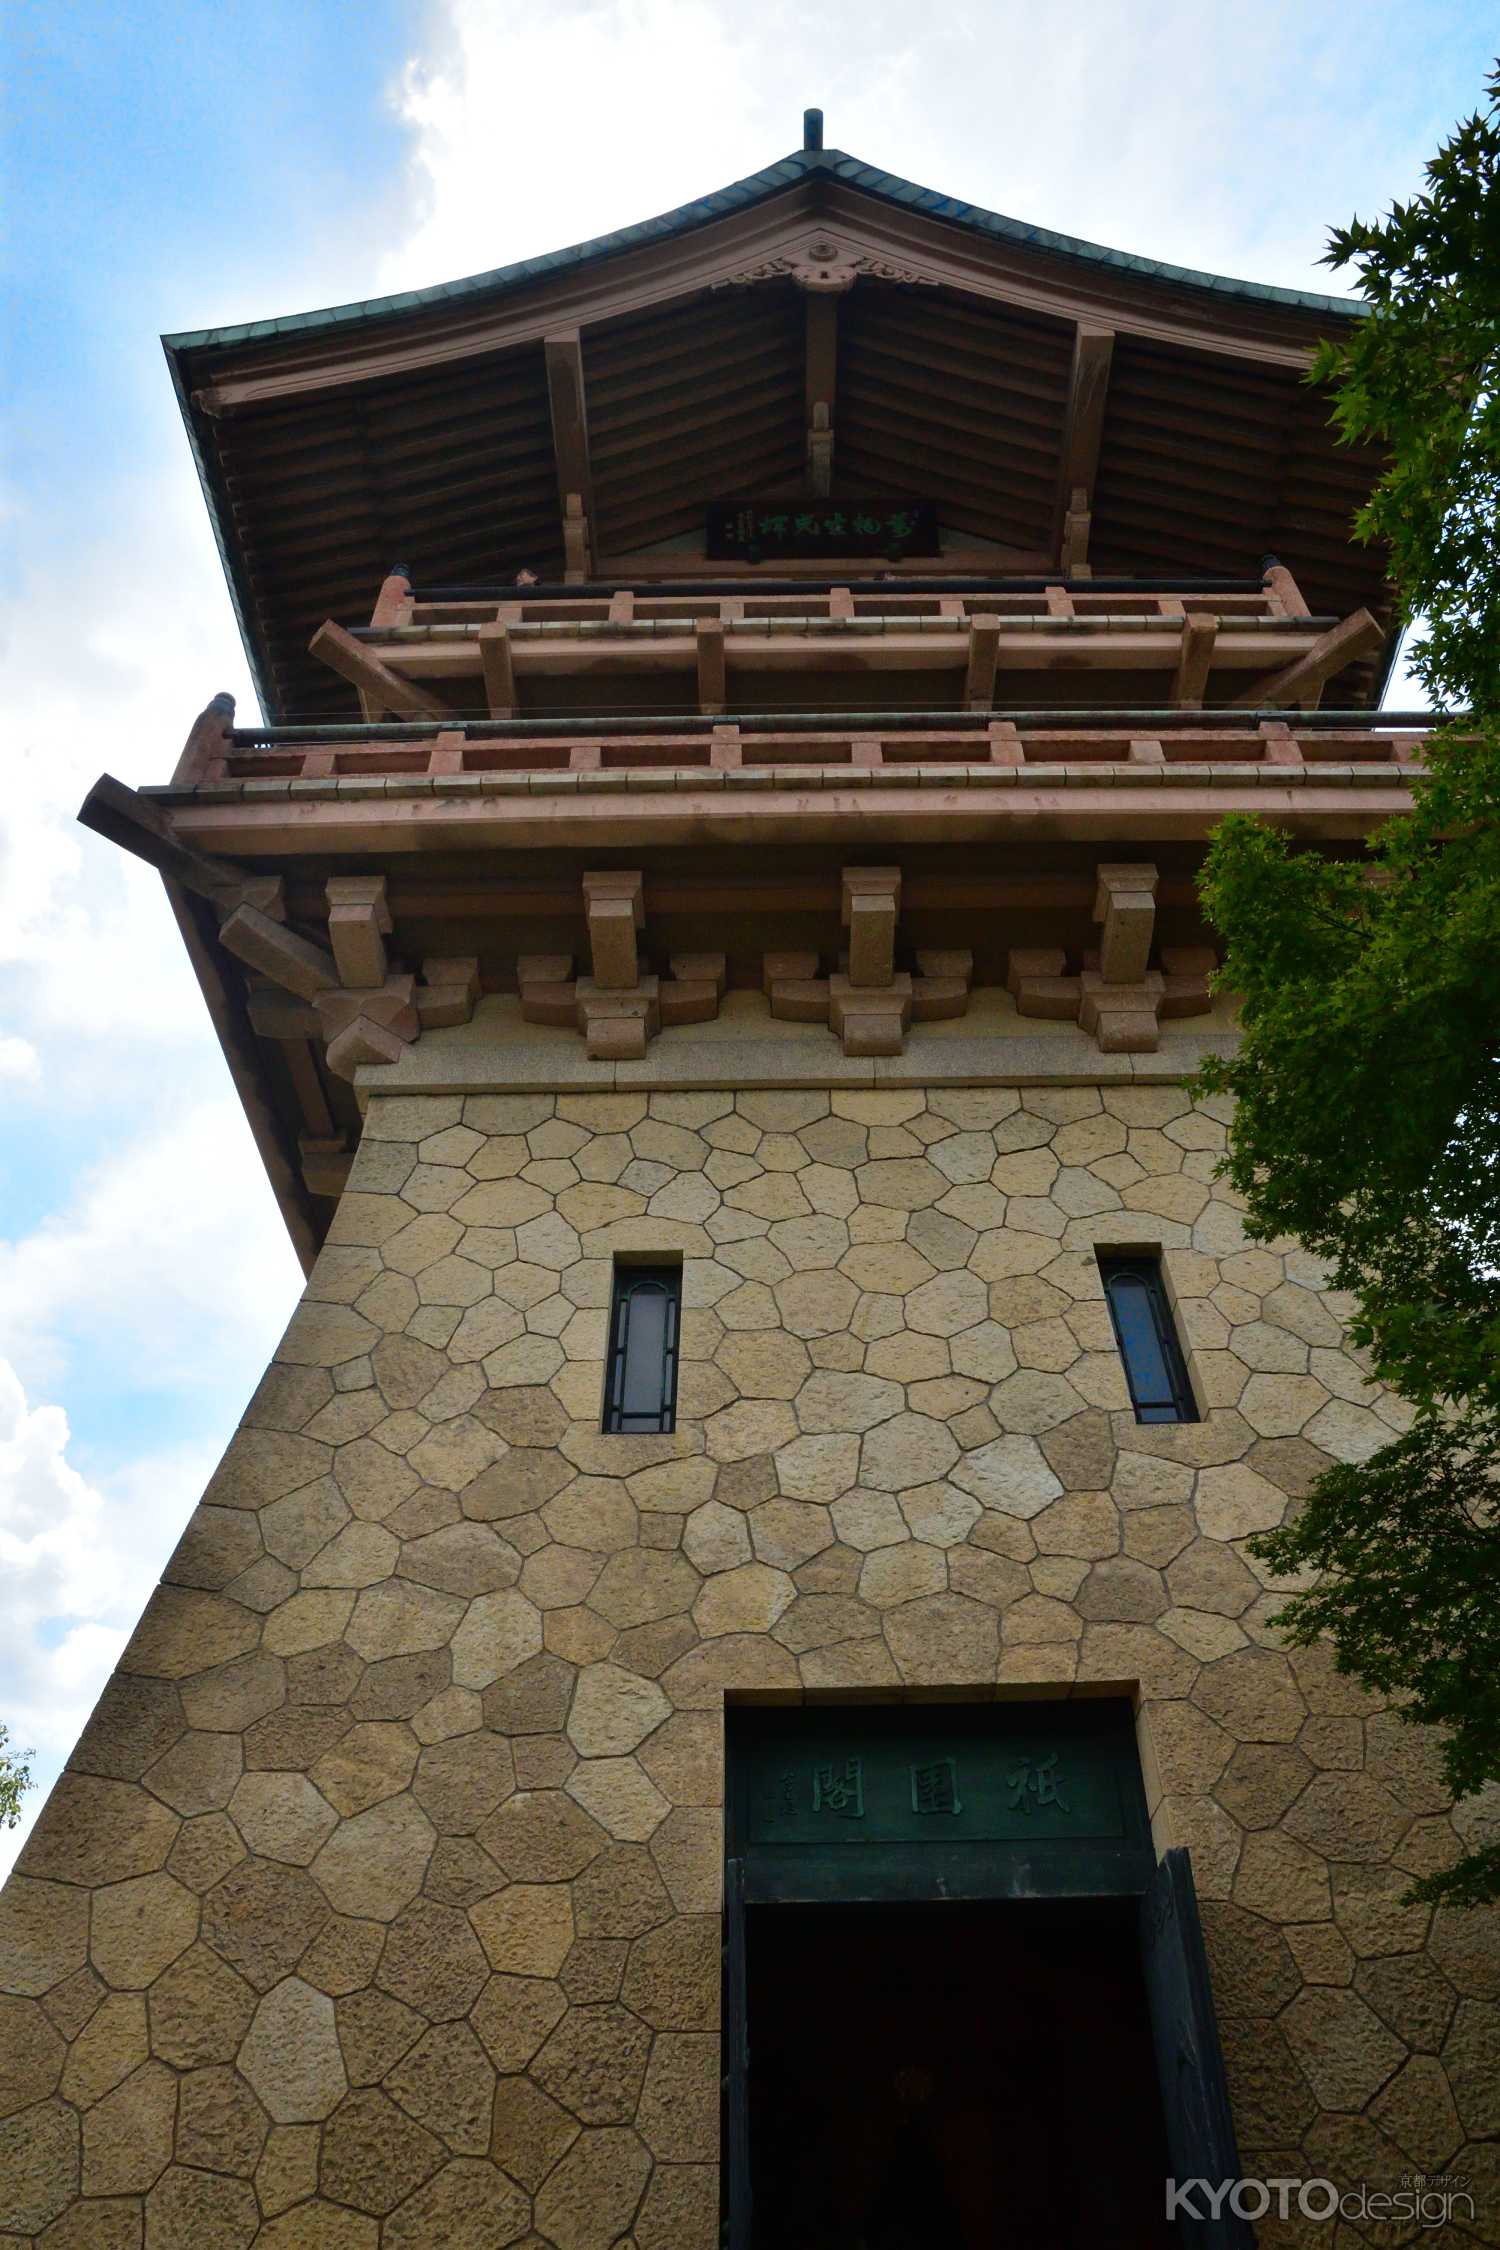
[1154, 1365]
[640, 1392]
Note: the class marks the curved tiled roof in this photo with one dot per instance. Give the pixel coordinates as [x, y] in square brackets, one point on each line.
[741, 195]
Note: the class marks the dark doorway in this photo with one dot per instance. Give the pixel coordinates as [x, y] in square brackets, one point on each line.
[952, 2077]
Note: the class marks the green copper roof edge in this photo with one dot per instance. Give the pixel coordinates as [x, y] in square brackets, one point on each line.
[208, 485]
[740, 195]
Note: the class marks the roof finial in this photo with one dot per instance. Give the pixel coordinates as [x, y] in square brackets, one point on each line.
[812, 128]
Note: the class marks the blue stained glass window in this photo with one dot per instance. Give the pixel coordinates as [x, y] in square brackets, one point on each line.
[1154, 1366]
[641, 1384]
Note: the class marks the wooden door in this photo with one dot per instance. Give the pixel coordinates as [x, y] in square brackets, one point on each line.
[738, 2214]
[1190, 2066]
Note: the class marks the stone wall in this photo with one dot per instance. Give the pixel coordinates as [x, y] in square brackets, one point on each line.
[379, 1903]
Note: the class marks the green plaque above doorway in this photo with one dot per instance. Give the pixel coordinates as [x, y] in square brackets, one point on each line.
[937, 1801]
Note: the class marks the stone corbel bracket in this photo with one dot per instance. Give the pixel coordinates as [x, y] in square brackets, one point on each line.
[1118, 997]
[352, 998]
[867, 1001]
[620, 1007]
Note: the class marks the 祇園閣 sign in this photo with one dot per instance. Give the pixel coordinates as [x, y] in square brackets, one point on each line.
[1036, 1798]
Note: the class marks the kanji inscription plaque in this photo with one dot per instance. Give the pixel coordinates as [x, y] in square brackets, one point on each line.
[765, 530]
[1027, 1798]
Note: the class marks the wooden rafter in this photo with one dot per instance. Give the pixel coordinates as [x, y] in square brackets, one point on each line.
[821, 314]
[121, 816]
[568, 403]
[979, 674]
[247, 1070]
[499, 670]
[1088, 388]
[393, 602]
[392, 607]
[1194, 659]
[1284, 591]
[1302, 681]
[208, 743]
[386, 688]
[713, 677]
[278, 953]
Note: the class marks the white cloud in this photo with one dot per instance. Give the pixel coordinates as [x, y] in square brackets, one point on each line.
[1224, 138]
[19, 1059]
[167, 1277]
[169, 1268]
[88, 947]
[78, 1559]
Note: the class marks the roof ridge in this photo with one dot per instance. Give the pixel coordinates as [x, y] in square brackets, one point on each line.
[739, 195]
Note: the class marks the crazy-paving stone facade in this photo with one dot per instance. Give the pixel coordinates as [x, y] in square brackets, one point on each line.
[380, 1901]
[619, 885]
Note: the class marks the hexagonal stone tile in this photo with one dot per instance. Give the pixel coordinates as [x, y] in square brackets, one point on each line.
[1010, 1475]
[1254, 1694]
[291, 2053]
[374, 2155]
[432, 1961]
[94, 1831]
[140, 1927]
[188, 2207]
[614, 1710]
[499, 1632]
[468, 2201]
[373, 1864]
[749, 1599]
[221, 2127]
[127, 2137]
[282, 1816]
[593, 2064]
[910, 1449]
[1345, 2050]
[542, 1836]
[1348, 1816]
[43, 1933]
[588, 2201]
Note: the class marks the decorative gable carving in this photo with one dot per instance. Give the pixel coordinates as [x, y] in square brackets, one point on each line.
[825, 267]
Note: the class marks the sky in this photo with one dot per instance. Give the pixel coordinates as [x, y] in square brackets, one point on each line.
[169, 167]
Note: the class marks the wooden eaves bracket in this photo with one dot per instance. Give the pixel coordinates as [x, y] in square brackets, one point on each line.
[346, 997]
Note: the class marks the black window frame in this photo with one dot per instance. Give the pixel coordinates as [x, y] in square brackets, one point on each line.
[1170, 1398]
[631, 1283]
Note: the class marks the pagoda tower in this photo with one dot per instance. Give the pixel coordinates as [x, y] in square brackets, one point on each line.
[718, 1693]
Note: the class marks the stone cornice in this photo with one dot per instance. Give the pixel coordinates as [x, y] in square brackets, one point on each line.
[754, 807]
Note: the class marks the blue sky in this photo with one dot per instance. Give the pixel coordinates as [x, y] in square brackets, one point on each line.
[168, 167]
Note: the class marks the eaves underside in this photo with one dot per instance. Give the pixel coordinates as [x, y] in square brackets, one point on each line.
[293, 554]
